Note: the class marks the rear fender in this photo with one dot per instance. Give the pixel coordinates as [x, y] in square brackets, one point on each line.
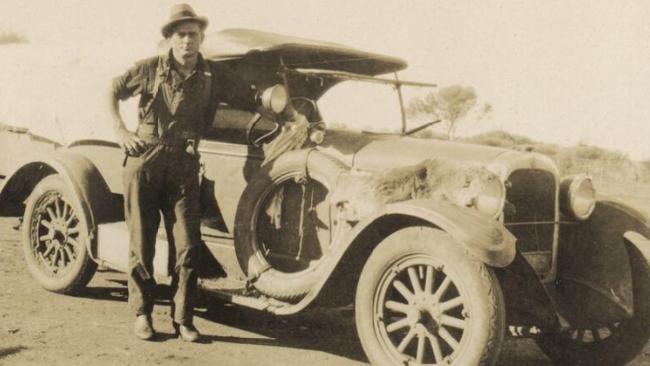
[20, 184]
[485, 238]
[594, 272]
[90, 191]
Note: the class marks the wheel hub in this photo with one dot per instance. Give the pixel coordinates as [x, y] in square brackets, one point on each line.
[426, 313]
[60, 236]
[55, 231]
[423, 314]
[430, 322]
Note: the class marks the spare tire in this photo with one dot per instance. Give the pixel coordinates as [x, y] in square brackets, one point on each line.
[283, 223]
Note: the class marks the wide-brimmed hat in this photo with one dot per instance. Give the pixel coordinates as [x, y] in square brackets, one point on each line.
[181, 13]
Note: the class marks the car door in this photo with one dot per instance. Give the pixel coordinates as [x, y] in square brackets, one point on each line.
[228, 163]
[301, 234]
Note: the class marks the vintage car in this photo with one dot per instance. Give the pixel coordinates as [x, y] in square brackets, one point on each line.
[442, 247]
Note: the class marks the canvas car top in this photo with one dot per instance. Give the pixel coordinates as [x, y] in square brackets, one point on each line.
[76, 111]
[273, 49]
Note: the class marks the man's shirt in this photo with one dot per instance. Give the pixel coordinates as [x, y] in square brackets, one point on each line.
[182, 105]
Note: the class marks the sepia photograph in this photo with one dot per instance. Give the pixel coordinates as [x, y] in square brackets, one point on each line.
[385, 183]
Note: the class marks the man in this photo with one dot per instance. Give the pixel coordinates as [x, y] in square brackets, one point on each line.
[179, 93]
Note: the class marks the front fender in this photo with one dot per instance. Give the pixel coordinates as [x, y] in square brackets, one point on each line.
[638, 229]
[594, 273]
[485, 238]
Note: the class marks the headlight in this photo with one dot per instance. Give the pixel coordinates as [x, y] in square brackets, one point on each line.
[491, 197]
[275, 98]
[577, 196]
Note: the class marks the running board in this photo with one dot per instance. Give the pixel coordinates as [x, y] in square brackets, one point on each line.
[236, 292]
[113, 248]
[113, 243]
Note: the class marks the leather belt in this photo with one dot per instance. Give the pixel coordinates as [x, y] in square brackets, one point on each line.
[182, 142]
[189, 144]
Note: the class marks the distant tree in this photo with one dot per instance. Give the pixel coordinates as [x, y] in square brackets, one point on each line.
[451, 104]
[11, 37]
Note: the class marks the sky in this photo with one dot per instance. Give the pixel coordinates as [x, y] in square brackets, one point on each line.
[557, 71]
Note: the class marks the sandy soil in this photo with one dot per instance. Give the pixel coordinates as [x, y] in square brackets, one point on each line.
[42, 328]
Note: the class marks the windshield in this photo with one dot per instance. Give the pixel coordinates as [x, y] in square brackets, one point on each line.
[371, 107]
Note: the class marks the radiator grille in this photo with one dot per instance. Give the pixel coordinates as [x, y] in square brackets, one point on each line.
[531, 209]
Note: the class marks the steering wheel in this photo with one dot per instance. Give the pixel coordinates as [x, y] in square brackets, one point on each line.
[250, 127]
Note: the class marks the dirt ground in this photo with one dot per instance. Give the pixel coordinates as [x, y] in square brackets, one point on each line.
[42, 328]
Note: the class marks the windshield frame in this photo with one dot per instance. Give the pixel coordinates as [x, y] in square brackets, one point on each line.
[343, 75]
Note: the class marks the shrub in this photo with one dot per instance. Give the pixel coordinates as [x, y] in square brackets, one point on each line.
[11, 38]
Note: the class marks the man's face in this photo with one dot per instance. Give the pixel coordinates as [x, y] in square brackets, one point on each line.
[186, 39]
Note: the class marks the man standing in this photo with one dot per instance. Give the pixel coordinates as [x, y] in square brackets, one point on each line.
[179, 93]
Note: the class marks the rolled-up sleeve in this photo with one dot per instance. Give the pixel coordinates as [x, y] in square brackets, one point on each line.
[131, 83]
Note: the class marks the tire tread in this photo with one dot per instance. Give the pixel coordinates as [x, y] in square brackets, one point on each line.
[67, 285]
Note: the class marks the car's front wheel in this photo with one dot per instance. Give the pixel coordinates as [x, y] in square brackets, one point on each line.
[613, 344]
[422, 299]
[55, 238]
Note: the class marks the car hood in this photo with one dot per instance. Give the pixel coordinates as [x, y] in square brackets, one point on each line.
[377, 153]
[396, 151]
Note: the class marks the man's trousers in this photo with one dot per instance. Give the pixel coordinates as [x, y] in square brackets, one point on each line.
[163, 179]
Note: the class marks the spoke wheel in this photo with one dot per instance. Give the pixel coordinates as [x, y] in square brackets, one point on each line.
[422, 300]
[586, 337]
[55, 237]
[54, 234]
[283, 240]
[613, 344]
[422, 315]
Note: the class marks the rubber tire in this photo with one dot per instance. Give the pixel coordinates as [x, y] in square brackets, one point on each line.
[83, 268]
[269, 281]
[624, 345]
[487, 302]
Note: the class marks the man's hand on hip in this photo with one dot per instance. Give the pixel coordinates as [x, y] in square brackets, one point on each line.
[131, 144]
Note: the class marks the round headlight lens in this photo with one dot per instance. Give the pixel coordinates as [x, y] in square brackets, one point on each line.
[491, 198]
[578, 197]
[275, 98]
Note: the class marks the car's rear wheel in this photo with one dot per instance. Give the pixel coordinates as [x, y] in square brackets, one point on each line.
[423, 300]
[612, 344]
[55, 238]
